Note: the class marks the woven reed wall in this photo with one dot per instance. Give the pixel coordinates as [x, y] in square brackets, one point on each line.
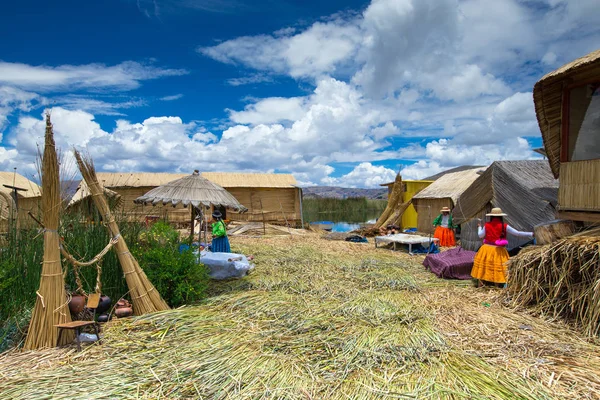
[428, 210]
[580, 186]
[278, 205]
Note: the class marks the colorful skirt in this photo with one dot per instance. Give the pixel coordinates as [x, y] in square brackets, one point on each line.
[489, 264]
[445, 235]
[220, 245]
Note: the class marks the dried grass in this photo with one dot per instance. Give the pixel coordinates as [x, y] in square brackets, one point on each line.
[51, 306]
[560, 280]
[321, 319]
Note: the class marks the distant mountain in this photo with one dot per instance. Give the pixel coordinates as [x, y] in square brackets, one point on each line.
[342, 193]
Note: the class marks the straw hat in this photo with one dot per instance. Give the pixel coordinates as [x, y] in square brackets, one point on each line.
[496, 212]
[445, 209]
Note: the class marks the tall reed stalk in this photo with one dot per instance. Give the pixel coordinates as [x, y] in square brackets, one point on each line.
[51, 307]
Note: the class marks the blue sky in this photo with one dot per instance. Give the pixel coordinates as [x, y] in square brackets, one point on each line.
[336, 92]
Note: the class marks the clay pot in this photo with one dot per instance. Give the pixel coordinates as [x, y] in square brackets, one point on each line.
[77, 303]
[123, 312]
[104, 304]
[103, 318]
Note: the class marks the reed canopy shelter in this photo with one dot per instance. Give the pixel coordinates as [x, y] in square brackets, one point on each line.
[195, 191]
[525, 190]
[18, 197]
[444, 192]
[567, 106]
[274, 198]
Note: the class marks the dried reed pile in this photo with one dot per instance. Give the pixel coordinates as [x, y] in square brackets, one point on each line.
[144, 296]
[560, 280]
[395, 207]
[316, 320]
[51, 306]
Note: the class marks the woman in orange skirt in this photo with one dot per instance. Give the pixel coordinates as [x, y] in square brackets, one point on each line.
[490, 260]
[444, 229]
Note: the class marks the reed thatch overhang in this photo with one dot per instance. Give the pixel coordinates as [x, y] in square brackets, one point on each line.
[525, 190]
[32, 189]
[112, 180]
[192, 189]
[448, 171]
[548, 96]
[450, 185]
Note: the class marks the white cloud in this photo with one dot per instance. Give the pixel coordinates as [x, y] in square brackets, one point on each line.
[124, 76]
[364, 175]
[316, 51]
[172, 97]
[97, 106]
[250, 79]
[270, 110]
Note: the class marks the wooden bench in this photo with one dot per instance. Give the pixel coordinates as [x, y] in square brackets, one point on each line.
[92, 304]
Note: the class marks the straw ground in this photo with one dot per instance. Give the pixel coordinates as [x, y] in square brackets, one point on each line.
[320, 319]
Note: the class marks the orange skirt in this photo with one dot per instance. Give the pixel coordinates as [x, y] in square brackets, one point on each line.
[490, 264]
[446, 236]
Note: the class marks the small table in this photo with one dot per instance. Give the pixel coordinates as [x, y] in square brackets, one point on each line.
[404, 238]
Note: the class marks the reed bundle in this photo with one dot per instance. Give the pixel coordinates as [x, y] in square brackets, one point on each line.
[395, 207]
[319, 320]
[560, 280]
[51, 306]
[144, 296]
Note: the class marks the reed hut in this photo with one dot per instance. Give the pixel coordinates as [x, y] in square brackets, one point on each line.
[444, 192]
[525, 190]
[28, 199]
[567, 105]
[274, 198]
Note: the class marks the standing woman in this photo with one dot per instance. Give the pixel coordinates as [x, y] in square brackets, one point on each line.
[490, 260]
[444, 230]
[220, 242]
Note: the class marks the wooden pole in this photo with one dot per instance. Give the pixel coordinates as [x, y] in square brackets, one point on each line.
[192, 228]
[263, 217]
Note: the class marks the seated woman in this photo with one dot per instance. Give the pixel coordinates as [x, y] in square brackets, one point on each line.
[220, 242]
[489, 264]
[444, 230]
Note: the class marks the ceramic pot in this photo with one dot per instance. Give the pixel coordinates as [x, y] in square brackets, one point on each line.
[103, 318]
[77, 303]
[123, 312]
[104, 304]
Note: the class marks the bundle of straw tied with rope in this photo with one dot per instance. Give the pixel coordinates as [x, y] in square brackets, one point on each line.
[560, 280]
[51, 307]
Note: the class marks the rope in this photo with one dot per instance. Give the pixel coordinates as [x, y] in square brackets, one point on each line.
[41, 298]
[94, 260]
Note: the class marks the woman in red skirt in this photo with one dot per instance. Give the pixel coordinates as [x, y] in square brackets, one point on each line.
[489, 264]
[444, 230]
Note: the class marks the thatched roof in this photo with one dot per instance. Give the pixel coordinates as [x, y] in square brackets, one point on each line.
[192, 189]
[547, 96]
[450, 185]
[152, 180]
[15, 179]
[235, 179]
[525, 190]
[453, 170]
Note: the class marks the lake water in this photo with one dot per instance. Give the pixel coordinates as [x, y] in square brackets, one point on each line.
[340, 223]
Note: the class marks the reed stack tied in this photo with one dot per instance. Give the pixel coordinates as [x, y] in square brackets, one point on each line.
[51, 306]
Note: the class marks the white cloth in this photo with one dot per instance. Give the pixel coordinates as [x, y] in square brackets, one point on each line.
[509, 229]
[445, 219]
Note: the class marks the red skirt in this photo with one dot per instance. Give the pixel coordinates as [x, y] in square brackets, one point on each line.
[446, 236]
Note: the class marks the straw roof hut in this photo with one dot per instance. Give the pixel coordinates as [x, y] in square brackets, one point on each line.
[444, 192]
[525, 190]
[29, 198]
[567, 106]
[274, 197]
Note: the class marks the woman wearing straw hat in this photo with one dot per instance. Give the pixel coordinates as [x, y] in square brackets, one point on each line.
[220, 242]
[489, 264]
[444, 230]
